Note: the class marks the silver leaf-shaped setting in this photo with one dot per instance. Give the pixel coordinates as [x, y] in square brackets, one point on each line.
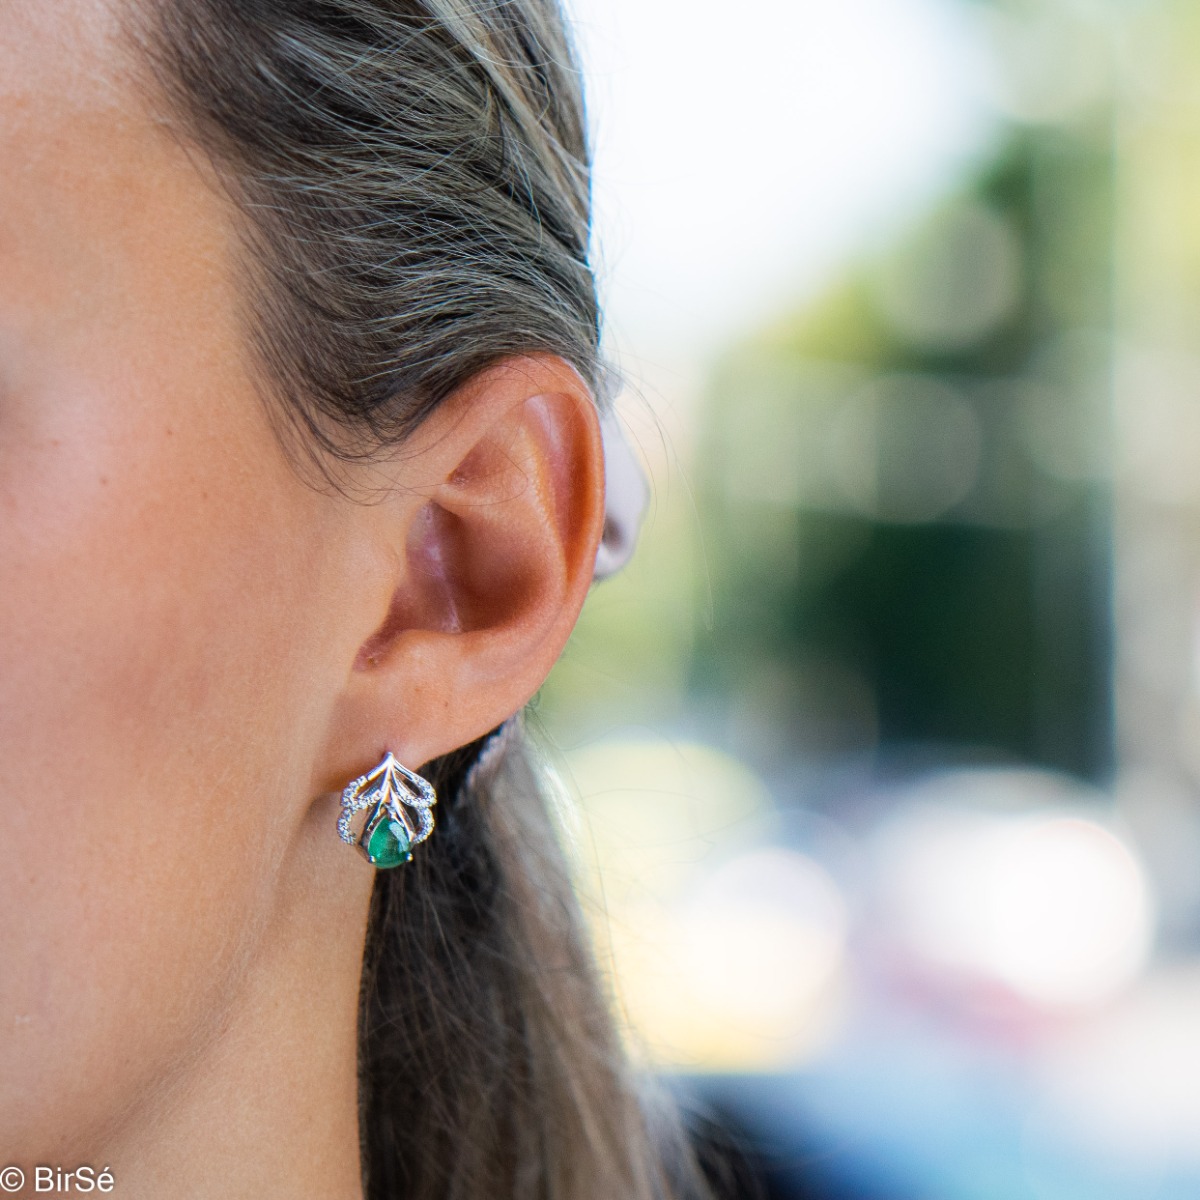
[390, 786]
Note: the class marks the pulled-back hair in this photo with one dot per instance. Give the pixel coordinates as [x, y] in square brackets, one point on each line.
[413, 182]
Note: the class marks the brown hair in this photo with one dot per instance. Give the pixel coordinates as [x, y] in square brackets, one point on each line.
[414, 181]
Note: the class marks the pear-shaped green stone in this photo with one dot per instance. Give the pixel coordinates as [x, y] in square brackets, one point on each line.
[389, 845]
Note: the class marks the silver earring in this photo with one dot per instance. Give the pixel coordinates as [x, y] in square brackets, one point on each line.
[400, 815]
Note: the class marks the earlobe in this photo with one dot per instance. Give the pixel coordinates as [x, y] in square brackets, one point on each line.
[497, 516]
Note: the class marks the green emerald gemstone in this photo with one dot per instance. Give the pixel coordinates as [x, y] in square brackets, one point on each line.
[389, 845]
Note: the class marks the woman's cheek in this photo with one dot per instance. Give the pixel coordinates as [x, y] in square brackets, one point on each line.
[144, 670]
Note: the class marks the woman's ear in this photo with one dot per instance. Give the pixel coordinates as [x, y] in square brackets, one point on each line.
[490, 534]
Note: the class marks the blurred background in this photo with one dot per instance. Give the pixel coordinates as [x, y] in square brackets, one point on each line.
[881, 762]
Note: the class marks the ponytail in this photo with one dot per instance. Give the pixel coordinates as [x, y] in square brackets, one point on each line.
[490, 1065]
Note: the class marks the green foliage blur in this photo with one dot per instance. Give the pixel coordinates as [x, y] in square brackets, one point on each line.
[892, 526]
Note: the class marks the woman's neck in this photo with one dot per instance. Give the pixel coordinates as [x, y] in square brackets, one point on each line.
[268, 1106]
